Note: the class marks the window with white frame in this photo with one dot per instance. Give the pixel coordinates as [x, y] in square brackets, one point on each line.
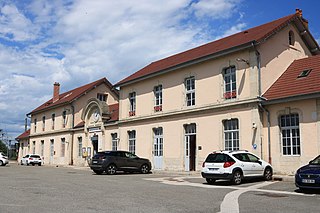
[64, 119]
[102, 97]
[42, 148]
[231, 134]
[290, 134]
[43, 123]
[80, 146]
[114, 141]
[190, 91]
[230, 84]
[63, 147]
[132, 100]
[132, 141]
[158, 98]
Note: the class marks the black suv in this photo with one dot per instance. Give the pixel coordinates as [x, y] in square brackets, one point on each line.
[113, 161]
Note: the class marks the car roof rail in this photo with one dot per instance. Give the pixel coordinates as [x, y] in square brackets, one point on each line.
[244, 150]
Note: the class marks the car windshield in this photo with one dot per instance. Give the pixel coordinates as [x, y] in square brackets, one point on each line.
[316, 161]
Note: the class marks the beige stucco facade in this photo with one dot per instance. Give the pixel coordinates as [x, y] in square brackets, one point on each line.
[187, 133]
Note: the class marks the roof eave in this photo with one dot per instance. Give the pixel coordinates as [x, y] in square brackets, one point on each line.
[190, 63]
[299, 97]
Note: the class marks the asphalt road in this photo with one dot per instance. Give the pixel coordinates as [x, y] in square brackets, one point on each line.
[51, 189]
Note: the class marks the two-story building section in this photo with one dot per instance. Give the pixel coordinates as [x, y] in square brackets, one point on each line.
[177, 110]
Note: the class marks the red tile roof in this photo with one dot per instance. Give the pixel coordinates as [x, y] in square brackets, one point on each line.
[23, 135]
[289, 85]
[256, 34]
[71, 95]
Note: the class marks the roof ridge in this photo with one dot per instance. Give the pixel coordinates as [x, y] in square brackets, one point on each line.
[254, 34]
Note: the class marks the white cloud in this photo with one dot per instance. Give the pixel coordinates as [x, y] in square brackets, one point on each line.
[234, 29]
[15, 26]
[216, 9]
[76, 42]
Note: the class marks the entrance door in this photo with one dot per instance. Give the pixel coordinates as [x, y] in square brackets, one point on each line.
[51, 151]
[94, 141]
[158, 148]
[190, 147]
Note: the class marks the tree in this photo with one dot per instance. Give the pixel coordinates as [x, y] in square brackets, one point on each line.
[3, 147]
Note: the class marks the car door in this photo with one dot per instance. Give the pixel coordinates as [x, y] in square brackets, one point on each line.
[133, 161]
[245, 163]
[256, 167]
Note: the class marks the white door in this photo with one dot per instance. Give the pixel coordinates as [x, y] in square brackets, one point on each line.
[190, 147]
[51, 151]
[158, 148]
[187, 153]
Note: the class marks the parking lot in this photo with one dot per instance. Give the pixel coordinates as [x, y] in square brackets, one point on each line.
[62, 189]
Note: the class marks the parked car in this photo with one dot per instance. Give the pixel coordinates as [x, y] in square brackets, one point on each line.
[113, 161]
[234, 166]
[308, 176]
[3, 159]
[31, 159]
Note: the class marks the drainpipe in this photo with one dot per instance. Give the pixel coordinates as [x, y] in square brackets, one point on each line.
[72, 133]
[269, 132]
[259, 68]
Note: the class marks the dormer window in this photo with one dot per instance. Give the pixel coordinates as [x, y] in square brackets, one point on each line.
[291, 38]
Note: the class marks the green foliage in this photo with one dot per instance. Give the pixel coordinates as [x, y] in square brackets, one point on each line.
[3, 147]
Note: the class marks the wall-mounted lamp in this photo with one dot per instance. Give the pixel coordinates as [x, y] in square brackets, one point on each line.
[254, 126]
[242, 60]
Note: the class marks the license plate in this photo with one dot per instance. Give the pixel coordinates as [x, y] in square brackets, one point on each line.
[308, 181]
[213, 169]
[94, 161]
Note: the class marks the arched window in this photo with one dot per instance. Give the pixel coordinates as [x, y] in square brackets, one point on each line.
[291, 37]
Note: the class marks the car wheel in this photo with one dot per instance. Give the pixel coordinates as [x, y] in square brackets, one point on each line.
[21, 163]
[98, 172]
[237, 177]
[210, 180]
[39, 164]
[267, 174]
[1, 163]
[144, 169]
[111, 169]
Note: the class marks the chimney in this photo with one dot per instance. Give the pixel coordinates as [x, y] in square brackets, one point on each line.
[299, 12]
[304, 21]
[56, 90]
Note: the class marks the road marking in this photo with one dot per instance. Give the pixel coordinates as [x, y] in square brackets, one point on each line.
[230, 203]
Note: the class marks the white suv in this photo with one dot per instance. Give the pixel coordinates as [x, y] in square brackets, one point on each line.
[3, 159]
[234, 166]
[31, 159]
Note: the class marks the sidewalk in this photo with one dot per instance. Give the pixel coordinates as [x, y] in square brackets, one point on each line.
[276, 177]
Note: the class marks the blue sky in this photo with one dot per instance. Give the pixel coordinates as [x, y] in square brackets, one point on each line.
[75, 42]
